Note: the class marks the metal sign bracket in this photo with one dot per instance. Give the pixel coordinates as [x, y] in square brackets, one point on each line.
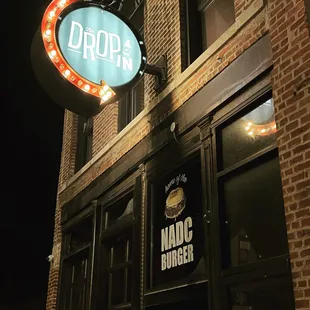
[159, 70]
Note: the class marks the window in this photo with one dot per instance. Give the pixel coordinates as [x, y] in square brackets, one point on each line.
[76, 266]
[254, 248]
[202, 23]
[132, 103]
[117, 225]
[176, 239]
[119, 271]
[84, 142]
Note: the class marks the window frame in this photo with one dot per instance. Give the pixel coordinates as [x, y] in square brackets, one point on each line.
[191, 30]
[67, 257]
[176, 290]
[131, 187]
[84, 141]
[253, 271]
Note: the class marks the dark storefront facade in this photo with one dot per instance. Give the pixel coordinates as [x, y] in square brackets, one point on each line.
[194, 213]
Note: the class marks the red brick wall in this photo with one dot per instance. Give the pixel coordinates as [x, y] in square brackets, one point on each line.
[68, 147]
[162, 36]
[241, 6]
[291, 91]
[105, 127]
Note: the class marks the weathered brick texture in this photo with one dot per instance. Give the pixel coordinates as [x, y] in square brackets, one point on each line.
[241, 6]
[68, 147]
[162, 37]
[290, 41]
[104, 127]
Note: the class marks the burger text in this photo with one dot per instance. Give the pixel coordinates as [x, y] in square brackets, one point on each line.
[175, 236]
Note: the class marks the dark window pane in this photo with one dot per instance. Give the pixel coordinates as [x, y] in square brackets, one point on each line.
[129, 283]
[255, 215]
[249, 134]
[84, 142]
[80, 235]
[218, 16]
[138, 98]
[117, 287]
[129, 245]
[119, 251]
[190, 36]
[121, 210]
[200, 303]
[268, 294]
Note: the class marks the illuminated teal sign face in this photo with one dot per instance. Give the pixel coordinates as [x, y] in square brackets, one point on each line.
[98, 45]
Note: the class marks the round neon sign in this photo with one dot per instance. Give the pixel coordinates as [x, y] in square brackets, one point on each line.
[93, 47]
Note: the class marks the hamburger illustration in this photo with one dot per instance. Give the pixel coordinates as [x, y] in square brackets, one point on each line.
[175, 203]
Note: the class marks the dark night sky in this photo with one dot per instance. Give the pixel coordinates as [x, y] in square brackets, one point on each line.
[32, 135]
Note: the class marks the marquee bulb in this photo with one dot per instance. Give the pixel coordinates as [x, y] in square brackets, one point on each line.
[105, 87]
[48, 32]
[52, 14]
[53, 53]
[67, 72]
[87, 87]
[250, 133]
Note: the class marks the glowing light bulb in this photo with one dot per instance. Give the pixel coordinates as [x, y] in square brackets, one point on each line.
[67, 72]
[105, 98]
[62, 2]
[87, 87]
[109, 94]
[263, 130]
[53, 53]
[247, 128]
[51, 14]
[250, 133]
[274, 126]
[105, 87]
[48, 32]
[249, 123]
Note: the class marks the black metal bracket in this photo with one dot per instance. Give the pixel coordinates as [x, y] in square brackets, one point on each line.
[159, 70]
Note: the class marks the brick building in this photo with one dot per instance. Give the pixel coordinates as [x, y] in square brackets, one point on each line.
[214, 214]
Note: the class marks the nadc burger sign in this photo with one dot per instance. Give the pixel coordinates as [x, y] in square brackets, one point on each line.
[93, 48]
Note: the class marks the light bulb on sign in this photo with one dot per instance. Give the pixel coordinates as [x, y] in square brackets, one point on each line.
[48, 32]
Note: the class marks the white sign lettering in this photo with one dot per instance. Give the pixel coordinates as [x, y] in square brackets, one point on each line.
[102, 45]
[175, 236]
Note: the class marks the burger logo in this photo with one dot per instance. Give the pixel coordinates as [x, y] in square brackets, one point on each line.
[175, 203]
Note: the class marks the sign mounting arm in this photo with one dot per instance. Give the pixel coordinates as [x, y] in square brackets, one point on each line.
[159, 70]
